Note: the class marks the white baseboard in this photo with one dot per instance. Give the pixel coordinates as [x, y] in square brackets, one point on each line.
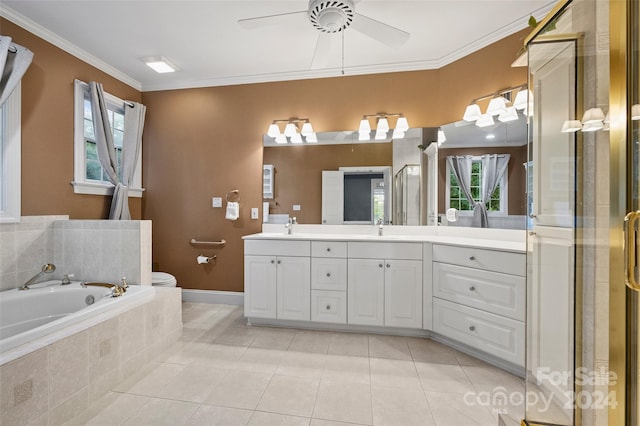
[213, 296]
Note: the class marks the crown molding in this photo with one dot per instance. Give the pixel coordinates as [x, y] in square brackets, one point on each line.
[56, 40]
[83, 55]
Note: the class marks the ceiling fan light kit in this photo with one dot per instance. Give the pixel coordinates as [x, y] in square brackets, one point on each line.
[331, 16]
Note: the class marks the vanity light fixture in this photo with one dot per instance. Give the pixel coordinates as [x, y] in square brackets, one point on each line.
[509, 114]
[160, 64]
[382, 126]
[499, 103]
[593, 116]
[291, 133]
[485, 120]
[441, 136]
[570, 126]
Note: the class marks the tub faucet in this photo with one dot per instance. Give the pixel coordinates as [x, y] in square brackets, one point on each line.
[380, 227]
[46, 269]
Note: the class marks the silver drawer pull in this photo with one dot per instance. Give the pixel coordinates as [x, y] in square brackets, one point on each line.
[328, 274]
[273, 261]
[328, 307]
[472, 288]
[472, 258]
[388, 266]
[472, 328]
[380, 265]
[279, 262]
[328, 248]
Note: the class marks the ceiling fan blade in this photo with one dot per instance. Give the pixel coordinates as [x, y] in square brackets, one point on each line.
[386, 34]
[264, 21]
[321, 55]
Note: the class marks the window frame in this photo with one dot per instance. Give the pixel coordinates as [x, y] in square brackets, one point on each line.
[10, 168]
[504, 193]
[81, 185]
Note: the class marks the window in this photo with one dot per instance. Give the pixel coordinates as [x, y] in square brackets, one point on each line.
[10, 141]
[497, 203]
[89, 177]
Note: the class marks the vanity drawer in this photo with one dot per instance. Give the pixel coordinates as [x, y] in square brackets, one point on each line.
[329, 306]
[493, 334]
[490, 260]
[328, 248]
[277, 248]
[380, 250]
[328, 274]
[494, 292]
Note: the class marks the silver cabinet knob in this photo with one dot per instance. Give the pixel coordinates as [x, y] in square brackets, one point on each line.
[472, 327]
[388, 265]
[328, 307]
[279, 262]
[472, 258]
[472, 288]
[328, 249]
[380, 265]
[328, 274]
[273, 261]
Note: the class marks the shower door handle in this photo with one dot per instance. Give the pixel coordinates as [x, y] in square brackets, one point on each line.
[630, 242]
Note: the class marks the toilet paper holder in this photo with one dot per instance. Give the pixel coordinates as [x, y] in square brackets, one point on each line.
[205, 259]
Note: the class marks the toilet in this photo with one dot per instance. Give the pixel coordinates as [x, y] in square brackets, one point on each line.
[162, 279]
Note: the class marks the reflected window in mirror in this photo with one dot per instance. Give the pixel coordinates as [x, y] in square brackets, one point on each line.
[456, 198]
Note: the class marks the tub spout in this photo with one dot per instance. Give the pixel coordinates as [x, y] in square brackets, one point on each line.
[46, 269]
[116, 290]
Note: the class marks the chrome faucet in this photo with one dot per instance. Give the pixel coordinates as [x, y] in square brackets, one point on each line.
[46, 269]
[380, 227]
[289, 226]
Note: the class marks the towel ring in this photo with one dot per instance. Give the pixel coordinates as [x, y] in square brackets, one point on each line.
[231, 193]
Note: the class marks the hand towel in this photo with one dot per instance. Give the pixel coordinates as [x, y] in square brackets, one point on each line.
[233, 210]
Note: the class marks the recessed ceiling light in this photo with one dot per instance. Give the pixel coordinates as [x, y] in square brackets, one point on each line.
[159, 64]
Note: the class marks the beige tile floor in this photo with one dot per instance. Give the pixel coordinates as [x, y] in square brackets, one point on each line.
[223, 372]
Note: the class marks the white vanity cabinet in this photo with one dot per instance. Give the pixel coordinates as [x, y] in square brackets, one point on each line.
[385, 284]
[329, 281]
[479, 299]
[277, 279]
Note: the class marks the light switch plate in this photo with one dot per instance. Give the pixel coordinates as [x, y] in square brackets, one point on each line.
[296, 207]
[216, 202]
[254, 212]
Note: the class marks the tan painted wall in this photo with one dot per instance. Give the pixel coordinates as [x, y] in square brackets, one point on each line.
[47, 129]
[200, 143]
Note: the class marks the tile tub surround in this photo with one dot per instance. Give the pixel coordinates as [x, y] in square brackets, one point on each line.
[56, 383]
[225, 372]
[25, 247]
[104, 250]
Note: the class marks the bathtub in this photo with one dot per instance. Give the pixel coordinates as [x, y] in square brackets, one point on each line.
[47, 312]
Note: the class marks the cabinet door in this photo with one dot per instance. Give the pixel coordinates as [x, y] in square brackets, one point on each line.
[365, 292]
[554, 151]
[294, 288]
[260, 286]
[403, 293]
[551, 313]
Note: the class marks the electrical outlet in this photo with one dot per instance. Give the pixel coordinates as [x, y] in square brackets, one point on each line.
[216, 202]
[254, 212]
[296, 207]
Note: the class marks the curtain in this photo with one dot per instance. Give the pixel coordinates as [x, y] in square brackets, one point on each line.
[133, 125]
[494, 167]
[14, 62]
[461, 166]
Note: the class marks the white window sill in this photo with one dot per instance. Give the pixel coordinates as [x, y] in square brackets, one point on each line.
[102, 189]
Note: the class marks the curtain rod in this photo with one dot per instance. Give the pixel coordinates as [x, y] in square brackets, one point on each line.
[127, 103]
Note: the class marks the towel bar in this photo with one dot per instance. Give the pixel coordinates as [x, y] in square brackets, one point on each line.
[220, 243]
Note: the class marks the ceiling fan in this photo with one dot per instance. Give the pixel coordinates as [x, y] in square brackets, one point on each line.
[331, 17]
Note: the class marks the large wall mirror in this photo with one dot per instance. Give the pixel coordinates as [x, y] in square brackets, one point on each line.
[297, 178]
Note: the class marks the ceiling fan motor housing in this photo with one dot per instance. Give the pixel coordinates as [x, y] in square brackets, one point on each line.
[331, 16]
